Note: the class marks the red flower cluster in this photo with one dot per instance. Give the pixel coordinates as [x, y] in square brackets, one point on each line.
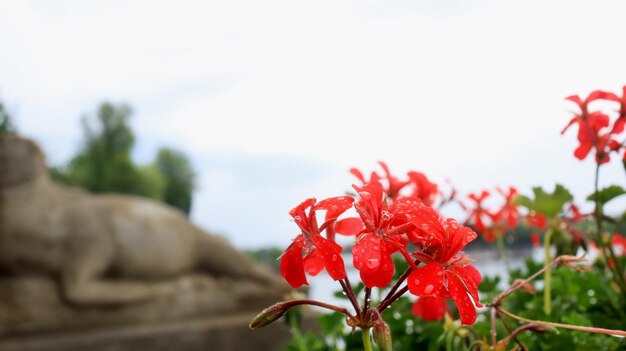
[478, 216]
[492, 224]
[448, 272]
[318, 251]
[417, 184]
[388, 222]
[592, 126]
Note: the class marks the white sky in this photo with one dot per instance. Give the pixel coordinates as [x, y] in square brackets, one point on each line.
[262, 92]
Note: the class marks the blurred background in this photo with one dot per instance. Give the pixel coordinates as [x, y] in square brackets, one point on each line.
[237, 111]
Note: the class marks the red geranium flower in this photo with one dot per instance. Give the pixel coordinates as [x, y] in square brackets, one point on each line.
[618, 126]
[383, 235]
[448, 272]
[490, 234]
[430, 308]
[619, 244]
[574, 213]
[589, 124]
[477, 214]
[537, 220]
[319, 252]
[534, 239]
[423, 189]
[509, 212]
[394, 185]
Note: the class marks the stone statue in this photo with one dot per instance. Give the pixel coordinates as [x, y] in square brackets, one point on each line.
[110, 250]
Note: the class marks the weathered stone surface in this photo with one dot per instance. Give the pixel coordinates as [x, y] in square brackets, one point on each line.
[116, 271]
[215, 333]
[32, 304]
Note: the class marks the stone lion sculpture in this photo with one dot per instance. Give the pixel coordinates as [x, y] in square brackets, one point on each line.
[104, 249]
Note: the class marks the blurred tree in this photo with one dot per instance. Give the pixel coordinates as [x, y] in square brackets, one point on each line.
[152, 183]
[104, 164]
[179, 178]
[6, 123]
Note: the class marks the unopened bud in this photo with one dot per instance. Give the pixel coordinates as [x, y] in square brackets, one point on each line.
[270, 315]
[382, 335]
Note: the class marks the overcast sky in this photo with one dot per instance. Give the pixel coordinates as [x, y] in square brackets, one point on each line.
[275, 100]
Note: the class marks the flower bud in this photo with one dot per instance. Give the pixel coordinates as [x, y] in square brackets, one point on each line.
[269, 315]
[382, 335]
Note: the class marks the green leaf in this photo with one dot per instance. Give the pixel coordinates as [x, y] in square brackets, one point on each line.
[523, 200]
[607, 194]
[547, 204]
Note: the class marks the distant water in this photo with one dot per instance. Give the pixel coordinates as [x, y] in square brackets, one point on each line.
[489, 263]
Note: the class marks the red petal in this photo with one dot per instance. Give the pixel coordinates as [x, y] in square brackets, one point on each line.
[474, 274]
[467, 276]
[534, 239]
[571, 122]
[618, 127]
[380, 277]
[430, 308]
[291, 266]
[428, 221]
[576, 99]
[349, 226]
[373, 260]
[313, 263]
[334, 206]
[427, 281]
[582, 151]
[598, 120]
[330, 253]
[355, 172]
[299, 214]
[458, 237]
[463, 303]
[599, 94]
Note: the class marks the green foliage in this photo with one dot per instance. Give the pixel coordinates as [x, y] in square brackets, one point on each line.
[179, 178]
[153, 183]
[607, 194]
[104, 163]
[547, 204]
[580, 298]
[6, 122]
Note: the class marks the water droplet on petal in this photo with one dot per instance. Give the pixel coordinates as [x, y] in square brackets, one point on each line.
[425, 226]
[429, 288]
[372, 263]
[416, 281]
[334, 258]
[440, 273]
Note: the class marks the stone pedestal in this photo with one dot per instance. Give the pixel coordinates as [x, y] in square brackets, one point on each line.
[203, 315]
[226, 333]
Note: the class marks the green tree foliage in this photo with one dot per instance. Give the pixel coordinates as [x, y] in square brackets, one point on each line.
[6, 123]
[179, 178]
[104, 163]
